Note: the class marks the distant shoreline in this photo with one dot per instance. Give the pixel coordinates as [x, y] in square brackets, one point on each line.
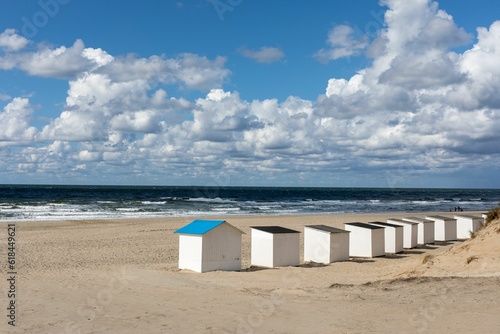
[334, 216]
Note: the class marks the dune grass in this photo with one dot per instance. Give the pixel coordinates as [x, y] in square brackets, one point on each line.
[493, 214]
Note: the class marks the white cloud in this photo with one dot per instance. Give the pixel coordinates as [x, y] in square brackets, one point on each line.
[88, 156]
[11, 41]
[147, 121]
[97, 56]
[418, 95]
[63, 62]
[342, 42]
[264, 55]
[14, 120]
[480, 65]
[197, 72]
[189, 70]
[431, 69]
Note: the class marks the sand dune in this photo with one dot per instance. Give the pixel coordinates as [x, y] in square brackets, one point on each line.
[478, 256]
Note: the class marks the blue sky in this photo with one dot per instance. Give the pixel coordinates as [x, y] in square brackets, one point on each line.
[239, 92]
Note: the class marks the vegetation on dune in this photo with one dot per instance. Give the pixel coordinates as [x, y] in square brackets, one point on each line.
[493, 214]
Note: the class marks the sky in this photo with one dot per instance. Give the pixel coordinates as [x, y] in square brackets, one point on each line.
[343, 93]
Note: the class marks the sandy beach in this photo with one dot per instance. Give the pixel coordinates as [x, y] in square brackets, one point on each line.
[121, 276]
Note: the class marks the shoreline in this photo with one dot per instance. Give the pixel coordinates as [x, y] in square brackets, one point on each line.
[236, 216]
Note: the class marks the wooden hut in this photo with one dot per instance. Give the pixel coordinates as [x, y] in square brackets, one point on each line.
[425, 230]
[467, 224]
[393, 237]
[275, 246]
[410, 232]
[445, 228]
[207, 245]
[325, 244]
[365, 240]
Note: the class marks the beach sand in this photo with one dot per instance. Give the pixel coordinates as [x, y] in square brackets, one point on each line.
[121, 276]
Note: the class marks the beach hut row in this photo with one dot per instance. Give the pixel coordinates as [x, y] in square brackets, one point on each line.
[208, 245]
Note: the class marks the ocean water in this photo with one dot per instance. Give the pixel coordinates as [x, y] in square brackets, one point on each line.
[45, 202]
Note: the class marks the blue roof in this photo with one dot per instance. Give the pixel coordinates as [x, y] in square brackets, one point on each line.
[200, 226]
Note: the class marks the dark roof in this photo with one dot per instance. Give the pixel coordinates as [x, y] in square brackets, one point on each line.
[274, 229]
[327, 228]
[364, 225]
[418, 220]
[385, 224]
[401, 221]
[439, 217]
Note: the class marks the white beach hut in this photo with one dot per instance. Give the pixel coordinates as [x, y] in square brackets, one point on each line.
[325, 244]
[467, 224]
[445, 228]
[393, 237]
[275, 246]
[410, 231]
[365, 240]
[485, 216]
[425, 230]
[207, 245]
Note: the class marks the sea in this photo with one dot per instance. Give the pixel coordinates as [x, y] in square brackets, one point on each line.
[75, 202]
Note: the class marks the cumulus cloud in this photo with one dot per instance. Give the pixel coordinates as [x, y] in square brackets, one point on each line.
[61, 62]
[417, 94]
[342, 42]
[147, 121]
[264, 55]
[11, 41]
[190, 70]
[15, 120]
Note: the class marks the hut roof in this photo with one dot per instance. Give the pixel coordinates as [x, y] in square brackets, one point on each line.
[364, 225]
[385, 224]
[401, 221]
[418, 220]
[274, 229]
[200, 227]
[328, 229]
[440, 217]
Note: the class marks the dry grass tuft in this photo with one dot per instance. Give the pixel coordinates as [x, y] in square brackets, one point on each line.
[472, 258]
[493, 214]
[427, 258]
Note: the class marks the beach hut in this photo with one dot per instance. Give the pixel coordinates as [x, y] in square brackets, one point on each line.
[365, 240]
[275, 246]
[410, 231]
[425, 230]
[466, 224]
[325, 244]
[445, 228]
[393, 237]
[207, 245]
[485, 216]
